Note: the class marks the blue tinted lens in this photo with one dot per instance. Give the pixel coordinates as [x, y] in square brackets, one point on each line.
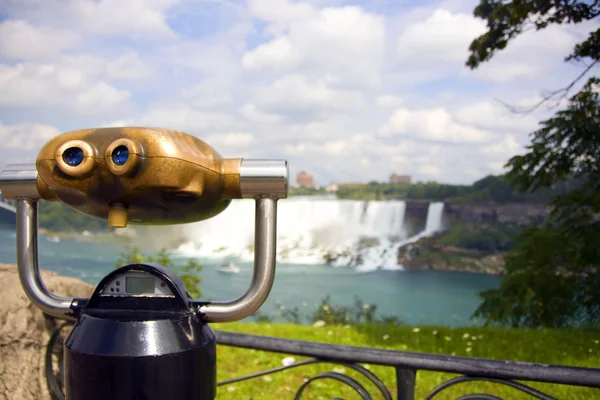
[73, 156]
[120, 155]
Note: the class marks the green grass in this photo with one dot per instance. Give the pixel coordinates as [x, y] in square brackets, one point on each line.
[568, 347]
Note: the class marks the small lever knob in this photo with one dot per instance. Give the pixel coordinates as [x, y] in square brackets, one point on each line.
[117, 215]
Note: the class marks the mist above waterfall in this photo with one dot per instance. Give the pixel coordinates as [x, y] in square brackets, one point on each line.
[310, 230]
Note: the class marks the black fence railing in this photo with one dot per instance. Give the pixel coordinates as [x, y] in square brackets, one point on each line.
[406, 365]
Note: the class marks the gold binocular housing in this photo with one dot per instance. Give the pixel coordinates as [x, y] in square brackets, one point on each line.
[145, 176]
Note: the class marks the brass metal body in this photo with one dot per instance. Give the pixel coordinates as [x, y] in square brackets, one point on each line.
[169, 177]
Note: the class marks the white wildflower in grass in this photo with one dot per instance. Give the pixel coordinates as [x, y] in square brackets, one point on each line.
[366, 306]
[447, 338]
[339, 370]
[267, 378]
[288, 361]
[416, 330]
[469, 344]
[319, 323]
[466, 336]
[435, 332]
[590, 350]
[453, 353]
[326, 308]
[596, 341]
[231, 389]
[469, 349]
[386, 337]
[330, 333]
[473, 337]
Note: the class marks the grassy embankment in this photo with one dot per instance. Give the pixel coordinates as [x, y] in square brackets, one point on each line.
[568, 347]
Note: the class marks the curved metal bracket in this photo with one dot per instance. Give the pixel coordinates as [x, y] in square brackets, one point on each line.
[265, 233]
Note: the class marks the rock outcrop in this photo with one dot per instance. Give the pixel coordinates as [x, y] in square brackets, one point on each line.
[478, 213]
[24, 334]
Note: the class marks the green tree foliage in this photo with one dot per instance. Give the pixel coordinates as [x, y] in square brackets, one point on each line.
[552, 273]
[487, 238]
[189, 272]
[489, 189]
[58, 217]
[358, 314]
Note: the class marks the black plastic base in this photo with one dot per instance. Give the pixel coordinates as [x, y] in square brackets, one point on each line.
[140, 360]
[143, 347]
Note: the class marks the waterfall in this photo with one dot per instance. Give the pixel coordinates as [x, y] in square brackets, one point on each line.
[434, 217]
[311, 230]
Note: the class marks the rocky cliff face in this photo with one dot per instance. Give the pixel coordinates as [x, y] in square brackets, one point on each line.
[24, 334]
[478, 213]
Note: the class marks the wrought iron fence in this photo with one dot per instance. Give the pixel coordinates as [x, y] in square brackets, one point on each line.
[406, 365]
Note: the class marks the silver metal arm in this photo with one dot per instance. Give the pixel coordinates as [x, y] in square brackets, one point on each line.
[27, 262]
[266, 181]
[265, 233]
[19, 182]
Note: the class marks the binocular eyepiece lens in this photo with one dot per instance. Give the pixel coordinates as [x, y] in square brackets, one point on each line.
[120, 155]
[73, 156]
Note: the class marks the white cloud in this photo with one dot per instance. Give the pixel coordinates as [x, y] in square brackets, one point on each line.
[184, 118]
[389, 101]
[253, 113]
[279, 12]
[278, 54]
[430, 170]
[101, 95]
[128, 66]
[344, 45]
[435, 124]
[226, 140]
[25, 136]
[496, 117]
[41, 85]
[443, 37]
[297, 98]
[535, 57]
[136, 18]
[19, 40]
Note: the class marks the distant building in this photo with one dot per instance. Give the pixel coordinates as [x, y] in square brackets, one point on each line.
[332, 188]
[305, 179]
[395, 178]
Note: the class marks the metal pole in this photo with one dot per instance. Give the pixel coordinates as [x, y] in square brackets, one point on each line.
[265, 237]
[27, 261]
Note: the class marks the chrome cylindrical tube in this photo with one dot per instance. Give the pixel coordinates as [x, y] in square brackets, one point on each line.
[27, 261]
[265, 238]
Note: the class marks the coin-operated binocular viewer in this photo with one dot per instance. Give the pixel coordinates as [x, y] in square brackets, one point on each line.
[140, 335]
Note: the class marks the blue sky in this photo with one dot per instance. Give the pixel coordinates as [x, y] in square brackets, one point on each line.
[348, 90]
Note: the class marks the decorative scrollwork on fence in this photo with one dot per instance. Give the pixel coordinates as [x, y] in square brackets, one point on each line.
[507, 382]
[326, 375]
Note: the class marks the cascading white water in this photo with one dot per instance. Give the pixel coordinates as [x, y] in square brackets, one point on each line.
[311, 230]
[434, 217]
